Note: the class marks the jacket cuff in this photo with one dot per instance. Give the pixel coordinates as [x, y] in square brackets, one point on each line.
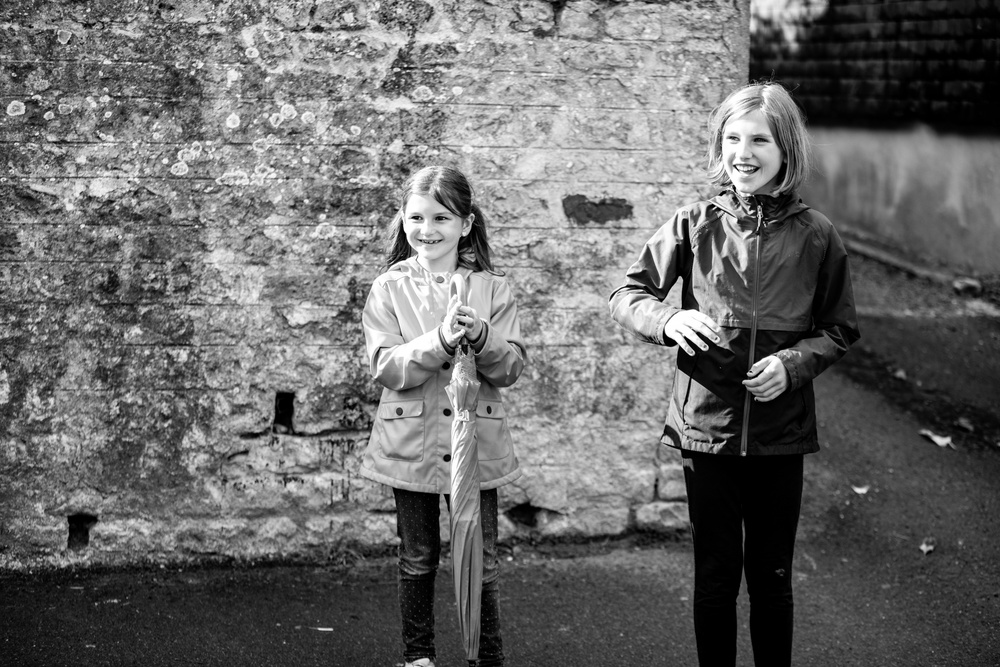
[444, 343]
[792, 368]
[480, 343]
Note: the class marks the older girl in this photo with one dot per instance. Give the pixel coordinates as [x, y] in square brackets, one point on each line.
[766, 306]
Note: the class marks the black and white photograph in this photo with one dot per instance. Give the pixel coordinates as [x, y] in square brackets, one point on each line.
[485, 333]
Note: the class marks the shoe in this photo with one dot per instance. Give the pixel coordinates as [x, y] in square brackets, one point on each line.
[420, 662]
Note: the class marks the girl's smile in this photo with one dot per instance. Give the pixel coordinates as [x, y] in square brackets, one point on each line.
[433, 232]
[750, 155]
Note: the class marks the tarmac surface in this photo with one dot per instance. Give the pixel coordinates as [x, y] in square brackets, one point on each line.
[897, 562]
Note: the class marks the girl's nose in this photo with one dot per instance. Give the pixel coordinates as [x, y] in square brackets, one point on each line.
[744, 149]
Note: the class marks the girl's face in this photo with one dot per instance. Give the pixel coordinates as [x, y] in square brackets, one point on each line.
[750, 154]
[433, 232]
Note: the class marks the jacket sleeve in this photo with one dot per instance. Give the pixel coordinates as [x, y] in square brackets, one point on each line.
[397, 363]
[637, 306]
[835, 319]
[501, 358]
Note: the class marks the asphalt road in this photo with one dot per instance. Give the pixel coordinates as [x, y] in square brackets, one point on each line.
[898, 557]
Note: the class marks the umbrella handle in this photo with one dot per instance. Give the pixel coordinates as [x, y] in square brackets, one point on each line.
[459, 287]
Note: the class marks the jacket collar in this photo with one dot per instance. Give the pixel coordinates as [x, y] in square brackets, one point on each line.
[776, 208]
[411, 266]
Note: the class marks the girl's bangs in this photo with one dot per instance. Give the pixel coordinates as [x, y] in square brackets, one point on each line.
[436, 191]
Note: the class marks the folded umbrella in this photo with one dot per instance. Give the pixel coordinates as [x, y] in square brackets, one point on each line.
[466, 522]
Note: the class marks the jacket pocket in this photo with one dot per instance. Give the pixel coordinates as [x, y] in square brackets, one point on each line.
[787, 420]
[402, 429]
[492, 434]
[707, 418]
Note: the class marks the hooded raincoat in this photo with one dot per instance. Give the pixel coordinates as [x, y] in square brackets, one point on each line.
[410, 445]
[773, 274]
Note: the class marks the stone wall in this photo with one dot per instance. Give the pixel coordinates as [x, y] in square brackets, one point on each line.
[192, 197]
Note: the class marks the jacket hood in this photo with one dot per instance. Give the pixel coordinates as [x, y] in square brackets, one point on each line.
[776, 208]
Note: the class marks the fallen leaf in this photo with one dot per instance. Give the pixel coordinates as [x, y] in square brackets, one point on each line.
[900, 374]
[861, 490]
[927, 545]
[325, 629]
[965, 423]
[939, 440]
[967, 286]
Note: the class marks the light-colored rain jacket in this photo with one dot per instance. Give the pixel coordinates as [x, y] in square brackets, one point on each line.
[410, 445]
[773, 274]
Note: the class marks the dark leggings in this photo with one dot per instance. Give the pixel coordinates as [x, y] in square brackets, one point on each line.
[744, 515]
[417, 524]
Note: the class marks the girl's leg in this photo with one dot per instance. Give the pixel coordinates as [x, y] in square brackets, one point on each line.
[773, 498]
[714, 505]
[490, 642]
[419, 550]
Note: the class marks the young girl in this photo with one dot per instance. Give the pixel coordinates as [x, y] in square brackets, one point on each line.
[766, 306]
[411, 331]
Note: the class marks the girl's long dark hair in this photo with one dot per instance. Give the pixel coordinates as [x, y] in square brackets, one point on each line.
[450, 188]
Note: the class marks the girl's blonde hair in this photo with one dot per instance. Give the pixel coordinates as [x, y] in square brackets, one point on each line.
[450, 188]
[787, 122]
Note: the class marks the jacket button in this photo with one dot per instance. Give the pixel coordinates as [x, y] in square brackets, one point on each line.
[447, 457]
[447, 412]
[489, 409]
[439, 279]
[446, 365]
[399, 411]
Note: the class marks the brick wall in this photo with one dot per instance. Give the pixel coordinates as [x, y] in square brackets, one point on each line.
[192, 196]
[888, 62]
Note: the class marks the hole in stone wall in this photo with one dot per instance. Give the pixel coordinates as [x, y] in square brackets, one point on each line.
[79, 530]
[284, 412]
[525, 514]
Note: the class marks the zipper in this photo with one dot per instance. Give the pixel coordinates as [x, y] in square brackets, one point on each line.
[747, 401]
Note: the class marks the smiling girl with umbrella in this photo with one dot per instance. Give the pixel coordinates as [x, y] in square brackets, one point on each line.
[413, 325]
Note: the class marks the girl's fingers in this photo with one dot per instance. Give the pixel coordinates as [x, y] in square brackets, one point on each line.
[465, 317]
[766, 386]
[684, 343]
[694, 336]
[705, 323]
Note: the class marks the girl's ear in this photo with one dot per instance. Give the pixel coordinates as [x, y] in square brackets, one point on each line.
[467, 224]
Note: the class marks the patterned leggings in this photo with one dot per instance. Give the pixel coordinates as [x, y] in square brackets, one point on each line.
[417, 522]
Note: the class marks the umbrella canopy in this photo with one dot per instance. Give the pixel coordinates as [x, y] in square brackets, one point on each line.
[466, 523]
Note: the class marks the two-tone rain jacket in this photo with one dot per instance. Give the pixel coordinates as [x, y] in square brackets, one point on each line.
[410, 445]
[773, 274]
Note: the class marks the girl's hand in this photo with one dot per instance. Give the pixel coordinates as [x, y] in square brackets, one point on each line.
[467, 320]
[450, 327]
[688, 327]
[461, 321]
[767, 379]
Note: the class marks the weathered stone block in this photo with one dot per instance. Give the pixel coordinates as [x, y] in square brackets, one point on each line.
[663, 517]
[670, 482]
